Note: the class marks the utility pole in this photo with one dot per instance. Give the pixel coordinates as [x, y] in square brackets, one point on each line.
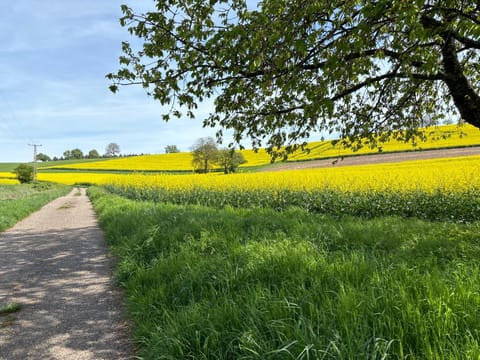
[35, 160]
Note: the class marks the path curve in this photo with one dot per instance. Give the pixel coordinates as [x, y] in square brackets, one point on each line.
[55, 264]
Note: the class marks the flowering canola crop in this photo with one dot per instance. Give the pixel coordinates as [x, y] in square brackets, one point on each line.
[8, 178]
[439, 189]
[450, 175]
[71, 178]
[439, 137]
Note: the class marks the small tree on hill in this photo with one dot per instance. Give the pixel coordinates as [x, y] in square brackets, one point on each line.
[25, 173]
[43, 157]
[93, 154]
[230, 160]
[77, 154]
[112, 149]
[205, 154]
[73, 154]
[67, 154]
[170, 149]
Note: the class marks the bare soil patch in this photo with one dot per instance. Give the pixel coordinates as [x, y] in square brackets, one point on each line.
[376, 159]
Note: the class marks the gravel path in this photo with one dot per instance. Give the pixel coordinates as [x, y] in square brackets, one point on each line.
[55, 264]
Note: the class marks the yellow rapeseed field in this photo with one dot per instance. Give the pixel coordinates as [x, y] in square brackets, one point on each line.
[437, 137]
[448, 175]
[71, 178]
[443, 136]
[159, 162]
[8, 178]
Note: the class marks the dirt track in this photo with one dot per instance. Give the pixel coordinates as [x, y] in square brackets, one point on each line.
[55, 264]
[377, 159]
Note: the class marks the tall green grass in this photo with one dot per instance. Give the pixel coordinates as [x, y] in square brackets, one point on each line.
[233, 283]
[18, 201]
[461, 206]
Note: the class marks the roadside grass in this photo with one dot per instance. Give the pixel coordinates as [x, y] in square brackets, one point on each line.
[18, 201]
[10, 308]
[236, 283]
[7, 317]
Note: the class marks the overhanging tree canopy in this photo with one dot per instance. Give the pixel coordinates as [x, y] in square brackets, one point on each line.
[288, 68]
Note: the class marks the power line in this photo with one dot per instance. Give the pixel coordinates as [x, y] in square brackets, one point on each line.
[35, 160]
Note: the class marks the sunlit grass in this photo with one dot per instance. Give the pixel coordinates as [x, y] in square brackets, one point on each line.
[331, 263]
[210, 283]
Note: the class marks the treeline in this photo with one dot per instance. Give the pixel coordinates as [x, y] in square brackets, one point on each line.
[112, 150]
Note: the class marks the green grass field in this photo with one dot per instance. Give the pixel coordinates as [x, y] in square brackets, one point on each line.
[10, 166]
[234, 283]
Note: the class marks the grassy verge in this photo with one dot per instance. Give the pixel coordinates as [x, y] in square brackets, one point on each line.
[446, 206]
[18, 201]
[230, 283]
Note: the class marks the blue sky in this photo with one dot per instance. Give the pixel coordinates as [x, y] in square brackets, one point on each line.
[54, 56]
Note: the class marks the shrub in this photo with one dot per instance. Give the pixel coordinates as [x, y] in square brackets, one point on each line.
[24, 173]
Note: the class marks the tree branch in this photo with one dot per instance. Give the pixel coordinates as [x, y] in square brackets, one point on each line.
[473, 16]
[389, 75]
[440, 28]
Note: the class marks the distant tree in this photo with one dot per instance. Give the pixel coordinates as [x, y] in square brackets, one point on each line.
[170, 149]
[67, 154]
[73, 154]
[230, 160]
[93, 154]
[43, 157]
[77, 154]
[112, 149]
[24, 173]
[205, 154]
